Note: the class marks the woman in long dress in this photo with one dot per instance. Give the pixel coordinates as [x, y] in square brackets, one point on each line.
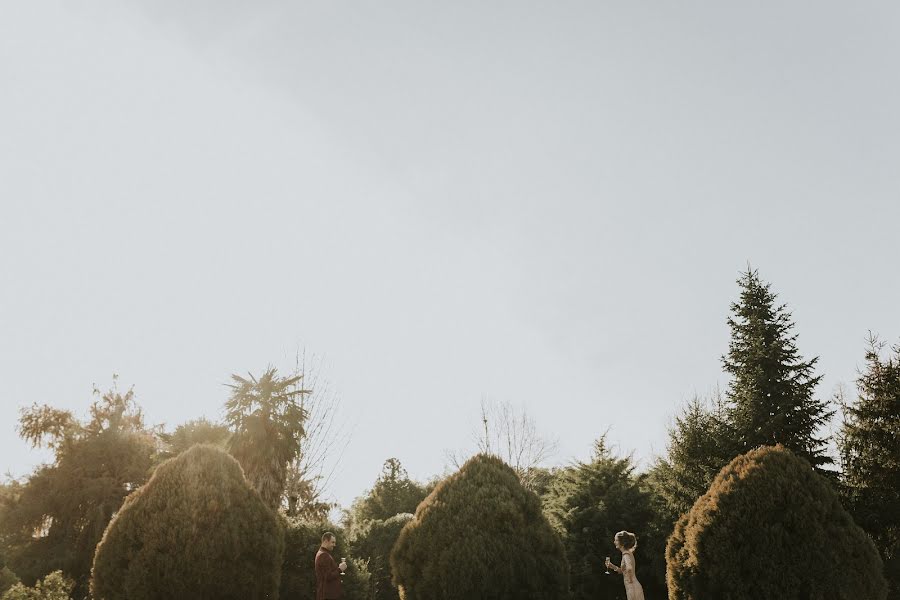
[626, 543]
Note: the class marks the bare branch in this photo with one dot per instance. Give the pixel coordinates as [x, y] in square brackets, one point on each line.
[511, 435]
[324, 442]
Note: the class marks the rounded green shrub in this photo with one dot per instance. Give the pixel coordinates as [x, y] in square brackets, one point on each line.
[195, 530]
[771, 527]
[480, 534]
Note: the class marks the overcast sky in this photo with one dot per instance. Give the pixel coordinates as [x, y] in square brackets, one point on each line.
[543, 203]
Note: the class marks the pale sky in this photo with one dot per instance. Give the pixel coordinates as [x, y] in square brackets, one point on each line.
[544, 203]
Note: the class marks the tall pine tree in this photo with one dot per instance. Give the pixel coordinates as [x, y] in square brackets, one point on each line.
[770, 395]
[870, 453]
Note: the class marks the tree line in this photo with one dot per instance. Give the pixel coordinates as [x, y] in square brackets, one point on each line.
[52, 521]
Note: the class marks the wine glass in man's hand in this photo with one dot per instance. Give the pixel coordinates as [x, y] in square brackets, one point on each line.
[343, 566]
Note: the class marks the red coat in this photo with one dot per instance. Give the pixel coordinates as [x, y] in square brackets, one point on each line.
[328, 576]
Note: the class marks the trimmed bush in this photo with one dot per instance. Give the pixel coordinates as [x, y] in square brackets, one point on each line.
[195, 530]
[770, 527]
[480, 534]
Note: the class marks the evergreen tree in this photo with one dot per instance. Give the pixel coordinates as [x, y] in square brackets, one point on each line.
[373, 544]
[539, 479]
[587, 504]
[771, 391]
[870, 453]
[303, 538]
[375, 521]
[393, 493]
[699, 446]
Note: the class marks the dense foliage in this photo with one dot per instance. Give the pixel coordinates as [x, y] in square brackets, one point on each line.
[302, 540]
[870, 453]
[480, 534]
[54, 520]
[771, 393]
[54, 586]
[771, 527]
[266, 421]
[587, 504]
[197, 529]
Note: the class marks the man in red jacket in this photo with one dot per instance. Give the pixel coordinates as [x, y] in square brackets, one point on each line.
[328, 573]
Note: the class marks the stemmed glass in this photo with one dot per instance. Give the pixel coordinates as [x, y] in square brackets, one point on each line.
[607, 565]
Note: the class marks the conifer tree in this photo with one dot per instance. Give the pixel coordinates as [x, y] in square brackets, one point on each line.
[587, 503]
[699, 446]
[870, 453]
[771, 394]
[393, 493]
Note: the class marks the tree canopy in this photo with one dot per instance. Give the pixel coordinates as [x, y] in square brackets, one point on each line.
[55, 518]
